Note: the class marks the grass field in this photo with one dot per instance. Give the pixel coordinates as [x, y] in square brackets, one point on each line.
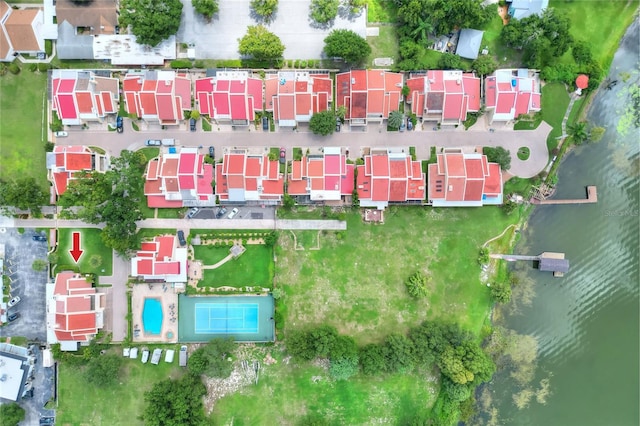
[119, 404]
[555, 100]
[22, 126]
[286, 392]
[91, 243]
[253, 268]
[385, 45]
[355, 282]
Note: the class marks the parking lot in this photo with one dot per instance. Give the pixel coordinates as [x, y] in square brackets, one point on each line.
[244, 212]
[20, 252]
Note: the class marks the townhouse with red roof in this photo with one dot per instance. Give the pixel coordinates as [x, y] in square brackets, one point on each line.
[21, 31]
[161, 259]
[157, 96]
[368, 95]
[460, 179]
[323, 177]
[78, 96]
[243, 177]
[65, 163]
[390, 176]
[179, 179]
[444, 96]
[509, 93]
[229, 96]
[74, 311]
[294, 96]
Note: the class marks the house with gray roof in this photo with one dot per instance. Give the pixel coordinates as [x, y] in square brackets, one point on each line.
[520, 9]
[469, 43]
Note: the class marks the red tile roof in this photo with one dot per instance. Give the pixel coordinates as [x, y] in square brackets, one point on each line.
[251, 177]
[368, 93]
[232, 95]
[459, 178]
[68, 161]
[158, 95]
[325, 177]
[159, 259]
[76, 308]
[294, 96]
[80, 95]
[511, 93]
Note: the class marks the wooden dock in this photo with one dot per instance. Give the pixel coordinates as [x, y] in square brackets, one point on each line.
[547, 261]
[592, 197]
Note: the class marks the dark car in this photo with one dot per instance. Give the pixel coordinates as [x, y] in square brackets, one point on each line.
[192, 124]
[265, 123]
[221, 213]
[283, 155]
[212, 152]
[39, 238]
[14, 316]
[153, 142]
[119, 124]
[181, 239]
[338, 125]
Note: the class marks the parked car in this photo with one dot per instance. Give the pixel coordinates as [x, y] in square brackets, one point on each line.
[119, 124]
[153, 142]
[265, 124]
[192, 124]
[283, 156]
[221, 213]
[181, 239]
[338, 125]
[192, 212]
[182, 360]
[233, 213]
[14, 316]
[39, 238]
[61, 134]
[13, 302]
[168, 142]
[212, 152]
[409, 124]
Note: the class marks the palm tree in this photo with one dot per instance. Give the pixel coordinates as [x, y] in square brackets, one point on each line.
[421, 32]
[395, 119]
[578, 132]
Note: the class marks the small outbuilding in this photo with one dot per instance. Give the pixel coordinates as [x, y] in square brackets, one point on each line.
[469, 43]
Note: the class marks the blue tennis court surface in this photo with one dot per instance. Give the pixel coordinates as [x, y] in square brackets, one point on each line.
[226, 318]
[244, 318]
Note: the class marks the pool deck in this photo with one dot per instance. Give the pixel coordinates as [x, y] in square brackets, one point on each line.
[168, 297]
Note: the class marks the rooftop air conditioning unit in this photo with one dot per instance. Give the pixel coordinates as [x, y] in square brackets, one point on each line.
[167, 83]
[458, 82]
[353, 81]
[450, 187]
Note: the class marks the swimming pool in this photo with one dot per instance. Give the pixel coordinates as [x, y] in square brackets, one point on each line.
[152, 316]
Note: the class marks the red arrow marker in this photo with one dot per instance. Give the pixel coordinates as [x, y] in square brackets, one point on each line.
[75, 251]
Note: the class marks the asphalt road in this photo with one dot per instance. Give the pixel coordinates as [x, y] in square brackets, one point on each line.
[355, 141]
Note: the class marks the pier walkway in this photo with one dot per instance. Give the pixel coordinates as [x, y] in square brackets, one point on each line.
[592, 197]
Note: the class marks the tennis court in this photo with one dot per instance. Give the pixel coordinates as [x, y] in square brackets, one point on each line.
[245, 318]
[226, 318]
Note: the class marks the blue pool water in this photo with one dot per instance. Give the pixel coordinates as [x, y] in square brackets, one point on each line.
[152, 316]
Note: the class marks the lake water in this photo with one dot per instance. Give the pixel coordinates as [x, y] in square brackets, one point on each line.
[586, 323]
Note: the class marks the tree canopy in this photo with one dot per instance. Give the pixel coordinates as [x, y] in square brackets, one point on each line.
[261, 44]
[175, 402]
[11, 414]
[23, 193]
[323, 11]
[103, 370]
[395, 119]
[206, 8]
[499, 155]
[323, 123]
[484, 65]
[449, 61]
[348, 45]
[212, 359]
[265, 8]
[417, 285]
[151, 21]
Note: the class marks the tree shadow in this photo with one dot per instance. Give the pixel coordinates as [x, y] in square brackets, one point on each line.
[345, 12]
[320, 26]
[263, 20]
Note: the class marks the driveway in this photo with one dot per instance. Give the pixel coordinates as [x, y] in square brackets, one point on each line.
[244, 212]
[20, 252]
[115, 315]
[218, 39]
[43, 389]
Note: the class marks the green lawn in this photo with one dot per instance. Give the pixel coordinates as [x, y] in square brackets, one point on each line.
[385, 45]
[253, 268]
[555, 101]
[91, 243]
[118, 404]
[599, 22]
[286, 392]
[381, 11]
[505, 56]
[355, 282]
[22, 129]
[170, 213]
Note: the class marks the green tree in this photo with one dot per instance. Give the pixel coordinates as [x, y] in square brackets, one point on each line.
[151, 21]
[449, 61]
[373, 359]
[323, 340]
[24, 194]
[348, 45]
[596, 134]
[341, 112]
[395, 119]
[483, 257]
[323, 11]
[39, 265]
[355, 6]
[509, 207]
[501, 292]
[578, 132]
[103, 370]
[11, 414]
[484, 65]
[175, 402]
[323, 123]
[400, 355]
[299, 345]
[265, 8]
[499, 155]
[343, 368]
[206, 8]
[261, 44]
[443, 16]
[195, 114]
[581, 52]
[288, 202]
[455, 391]
[417, 285]
[212, 359]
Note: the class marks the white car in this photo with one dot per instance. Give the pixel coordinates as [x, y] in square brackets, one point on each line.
[13, 302]
[61, 134]
[233, 213]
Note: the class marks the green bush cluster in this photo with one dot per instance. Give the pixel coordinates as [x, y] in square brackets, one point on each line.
[181, 63]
